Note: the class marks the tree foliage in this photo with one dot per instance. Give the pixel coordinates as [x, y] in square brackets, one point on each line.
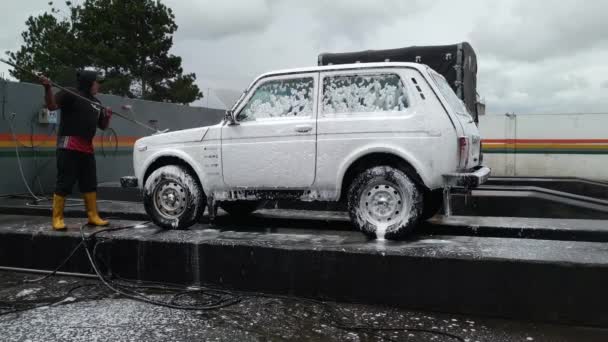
[128, 40]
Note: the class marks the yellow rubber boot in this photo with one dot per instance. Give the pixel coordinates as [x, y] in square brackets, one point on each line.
[90, 201]
[58, 205]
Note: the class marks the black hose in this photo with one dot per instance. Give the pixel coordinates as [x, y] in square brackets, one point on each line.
[103, 139]
[26, 305]
[141, 297]
[65, 261]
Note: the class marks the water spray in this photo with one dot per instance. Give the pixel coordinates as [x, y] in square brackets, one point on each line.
[93, 103]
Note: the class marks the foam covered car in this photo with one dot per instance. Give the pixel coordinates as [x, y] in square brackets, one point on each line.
[385, 138]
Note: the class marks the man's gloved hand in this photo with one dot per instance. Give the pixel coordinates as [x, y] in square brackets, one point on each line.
[106, 115]
[46, 83]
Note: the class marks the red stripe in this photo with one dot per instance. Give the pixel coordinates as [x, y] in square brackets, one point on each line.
[120, 139]
[43, 137]
[557, 141]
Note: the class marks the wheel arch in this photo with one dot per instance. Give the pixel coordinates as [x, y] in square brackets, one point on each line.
[165, 159]
[377, 158]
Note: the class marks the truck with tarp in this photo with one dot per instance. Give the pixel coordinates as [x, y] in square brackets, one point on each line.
[456, 62]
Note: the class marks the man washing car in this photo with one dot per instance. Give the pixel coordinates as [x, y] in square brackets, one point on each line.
[79, 120]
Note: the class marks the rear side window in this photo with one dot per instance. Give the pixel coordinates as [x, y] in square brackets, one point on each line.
[280, 98]
[449, 95]
[363, 94]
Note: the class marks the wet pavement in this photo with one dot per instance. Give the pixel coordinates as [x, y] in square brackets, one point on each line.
[282, 252]
[525, 269]
[592, 230]
[91, 312]
[287, 229]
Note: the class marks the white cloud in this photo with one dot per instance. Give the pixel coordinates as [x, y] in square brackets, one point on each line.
[360, 19]
[294, 35]
[209, 19]
[13, 15]
[549, 87]
[533, 56]
[540, 30]
[542, 57]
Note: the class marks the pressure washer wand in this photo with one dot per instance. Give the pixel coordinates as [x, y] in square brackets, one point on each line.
[83, 98]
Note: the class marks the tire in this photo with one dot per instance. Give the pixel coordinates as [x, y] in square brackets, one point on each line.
[384, 203]
[240, 208]
[433, 202]
[173, 197]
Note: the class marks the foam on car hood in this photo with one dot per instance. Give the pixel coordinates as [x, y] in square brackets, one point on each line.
[177, 137]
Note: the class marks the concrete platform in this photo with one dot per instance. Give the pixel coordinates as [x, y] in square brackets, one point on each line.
[531, 279]
[577, 186]
[518, 227]
[74, 208]
[501, 201]
[557, 198]
[508, 227]
[529, 202]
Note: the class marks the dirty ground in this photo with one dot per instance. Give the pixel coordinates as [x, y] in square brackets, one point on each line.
[80, 309]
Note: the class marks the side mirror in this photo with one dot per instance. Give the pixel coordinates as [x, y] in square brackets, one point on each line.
[229, 117]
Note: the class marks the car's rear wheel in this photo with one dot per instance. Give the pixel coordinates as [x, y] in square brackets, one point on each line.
[173, 197]
[384, 203]
[240, 208]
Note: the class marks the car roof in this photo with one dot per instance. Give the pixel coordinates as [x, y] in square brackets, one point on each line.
[352, 66]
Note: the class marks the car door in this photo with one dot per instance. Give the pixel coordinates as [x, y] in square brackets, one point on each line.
[273, 144]
[361, 108]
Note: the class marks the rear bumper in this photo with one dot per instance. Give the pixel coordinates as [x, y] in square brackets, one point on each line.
[471, 179]
[128, 182]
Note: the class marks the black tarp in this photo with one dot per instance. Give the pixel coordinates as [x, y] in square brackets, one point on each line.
[457, 63]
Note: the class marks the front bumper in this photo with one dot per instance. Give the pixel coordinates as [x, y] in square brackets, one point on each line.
[128, 182]
[467, 180]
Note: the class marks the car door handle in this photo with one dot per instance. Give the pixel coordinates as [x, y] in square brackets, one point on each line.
[303, 128]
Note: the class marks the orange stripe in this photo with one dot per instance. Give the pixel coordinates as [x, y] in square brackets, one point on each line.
[53, 144]
[28, 144]
[44, 137]
[546, 146]
[26, 138]
[547, 141]
[41, 140]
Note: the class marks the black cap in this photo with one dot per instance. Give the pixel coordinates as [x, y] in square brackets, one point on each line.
[85, 79]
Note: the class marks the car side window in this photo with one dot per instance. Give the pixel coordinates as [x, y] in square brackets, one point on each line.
[447, 92]
[363, 94]
[280, 98]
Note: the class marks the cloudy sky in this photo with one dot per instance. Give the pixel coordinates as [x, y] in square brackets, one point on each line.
[534, 56]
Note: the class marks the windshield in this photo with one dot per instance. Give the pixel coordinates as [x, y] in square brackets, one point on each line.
[447, 92]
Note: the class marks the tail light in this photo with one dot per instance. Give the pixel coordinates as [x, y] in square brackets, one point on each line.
[463, 148]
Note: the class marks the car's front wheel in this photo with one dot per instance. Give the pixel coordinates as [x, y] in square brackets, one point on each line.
[384, 203]
[173, 197]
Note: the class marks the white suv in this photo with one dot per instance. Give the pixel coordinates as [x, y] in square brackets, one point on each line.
[387, 138]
